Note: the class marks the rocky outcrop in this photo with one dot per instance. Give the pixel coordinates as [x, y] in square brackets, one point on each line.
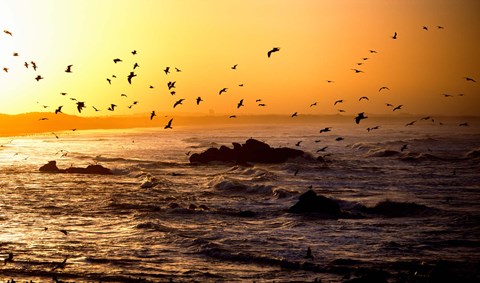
[51, 167]
[251, 151]
[310, 202]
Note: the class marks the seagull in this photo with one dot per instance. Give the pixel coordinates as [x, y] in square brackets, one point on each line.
[403, 147]
[130, 76]
[116, 60]
[96, 110]
[172, 92]
[329, 81]
[178, 102]
[26, 65]
[313, 104]
[258, 100]
[398, 107]
[109, 81]
[410, 124]
[123, 94]
[63, 93]
[80, 106]
[169, 124]
[463, 124]
[151, 86]
[177, 69]
[5, 69]
[69, 69]
[234, 67]
[394, 35]
[389, 105]
[365, 58]
[341, 110]
[60, 265]
[262, 104]
[240, 104]
[322, 149]
[223, 90]
[38, 78]
[373, 128]
[324, 130]
[232, 116]
[363, 97]
[447, 95]
[134, 52]
[425, 118]
[58, 110]
[382, 88]
[470, 79]
[7, 32]
[112, 107]
[373, 51]
[338, 101]
[55, 135]
[358, 71]
[339, 139]
[425, 28]
[167, 70]
[135, 65]
[171, 85]
[240, 85]
[15, 54]
[440, 27]
[65, 232]
[274, 49]
[360, 117]
[34, 65]
[294, 114]
[199, 99]
[152, 114]
[298, 143]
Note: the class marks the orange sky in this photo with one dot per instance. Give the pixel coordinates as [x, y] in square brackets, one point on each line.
[319, 41]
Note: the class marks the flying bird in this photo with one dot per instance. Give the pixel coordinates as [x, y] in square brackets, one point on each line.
[463, 124]
[329, 81]
[8, 259]
[410, 124]
[178, 102]
[109, 81]
[55, 135]
[440, 27]
[5, 69]
[15, 54]
[373, 128]
[232, 116]
[63, 93]
[60, 265]
[322, 149]
[262, 104]
[447, 95]
[96, 110]
[425, 28]
[234, 67]
[171, 85]
[135, 65]
[274, 49]
[167, 70]
[112, 107]
[69, 69]
[152, 115]
[398, 107]
[116, 60]
[324, 130]
[358, 71]
[363, 97]
[34, 65]
[240, 104]
[80, 106]
[58, 110]
[373, 51]
[338, 101]
[389, 105]
[169, 124]
[294, 114]
[7, 32]
[339, 139]
[360, 117]
[382, 88]
[298, 143]
[223, 90]
[134, 52]
[199, 99]
[394, 35]
[403, 147]
[130, 76]
[313, 104]
[123, 94]
[26, 65]
[177, 69]
[470, 79]
[38, 78]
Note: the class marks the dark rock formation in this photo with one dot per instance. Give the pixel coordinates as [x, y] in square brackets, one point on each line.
[251, 151]
[51, 167]
[310, 202]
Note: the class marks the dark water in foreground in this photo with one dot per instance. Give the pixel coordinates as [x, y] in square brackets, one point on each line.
[118, 229]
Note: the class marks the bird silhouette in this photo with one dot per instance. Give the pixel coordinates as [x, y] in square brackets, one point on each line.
[58, 110]
[341, 110]
[425, 118]
[365, 58]
[169, 124]
[447, 95]
[324, 130]
[410, 123]
[109, 81]
[440, 27]
[425, 28]
[398, 107]
[8, 259]
[116, 60]
[240, 103]
[223, 90]
[294, 114]
[329, 81]
[372, 51]
[38, 78]
[134, 52]
[63, 93]
[60, 265]
[178, 102]
[298, 143]
[338, 101]
[135, 65]
[178, 70]
[373, 128]
[26, 65]
[64, 232]
[470, 79]
[339, 139]
[274, 49]
[8, 32]
[389, 105]
[232, 116]
[112, 107]
[322, 149]
[234, 67]
[80, 106]
[130, 77]
[262, 104]
[55, 135]
[96, 110]
[382, 88]
[123, 94]
[360, 117]
[363, 97]
[167, 70]
[34, 65]
[199, 99]
[313, 104]
[5, 69]
[463, 124]
[172, 92]
[152, 115]
[171, 85]
[394, 35]
[69, 69]
[404, 147]
[15, 54]
[240, 85]
[358, 71]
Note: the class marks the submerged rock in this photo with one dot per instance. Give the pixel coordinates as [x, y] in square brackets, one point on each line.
[51, 167]
[251, 151]
[310, 202]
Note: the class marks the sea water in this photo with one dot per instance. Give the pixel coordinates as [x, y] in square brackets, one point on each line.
[145, 222]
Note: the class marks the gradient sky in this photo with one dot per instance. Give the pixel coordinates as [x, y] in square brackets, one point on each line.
[319, 41]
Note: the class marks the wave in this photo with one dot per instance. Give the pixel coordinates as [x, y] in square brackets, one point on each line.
[474, 153]
[416, 156]
[154, 227]
[390, 208]
[382, 153]
[235, 186]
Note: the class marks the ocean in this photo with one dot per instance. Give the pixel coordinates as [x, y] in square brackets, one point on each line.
[159, 218]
